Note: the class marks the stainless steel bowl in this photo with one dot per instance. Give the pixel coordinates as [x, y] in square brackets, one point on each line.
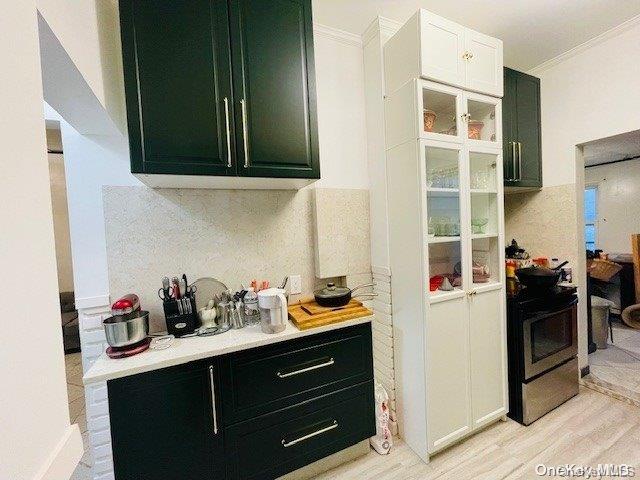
[124, 330]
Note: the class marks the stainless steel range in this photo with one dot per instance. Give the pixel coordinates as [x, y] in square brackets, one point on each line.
[543, 347]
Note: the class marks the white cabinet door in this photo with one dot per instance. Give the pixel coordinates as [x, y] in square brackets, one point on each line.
[442, 49]
[488, 356]
[484, 65]
[448, 392]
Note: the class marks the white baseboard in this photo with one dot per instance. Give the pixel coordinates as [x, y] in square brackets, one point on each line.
[64, 458]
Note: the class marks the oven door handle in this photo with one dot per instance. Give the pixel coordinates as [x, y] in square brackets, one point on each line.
[546, 313]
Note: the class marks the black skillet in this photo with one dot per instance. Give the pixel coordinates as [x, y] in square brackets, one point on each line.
[333, 296]
[540, 277]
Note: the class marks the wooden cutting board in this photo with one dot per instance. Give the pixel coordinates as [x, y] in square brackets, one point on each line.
[310, 315]
[312, 307]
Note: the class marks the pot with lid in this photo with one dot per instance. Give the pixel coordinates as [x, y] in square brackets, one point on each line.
[334, 296]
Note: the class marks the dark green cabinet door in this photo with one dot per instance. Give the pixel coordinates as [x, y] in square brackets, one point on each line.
[521, 125]
[509, 127]
[529, 135]
[162, 424]
[274, 88]
[177, 69]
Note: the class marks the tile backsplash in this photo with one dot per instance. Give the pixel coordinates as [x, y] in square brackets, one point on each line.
[543, 222]
[231, 235]
[341, 229]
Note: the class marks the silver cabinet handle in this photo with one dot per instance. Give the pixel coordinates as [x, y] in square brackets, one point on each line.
[513, 161]
[226, 117]
[213, 400]
[308, 369]
[519, 161]
[310, 435]
[243, 104]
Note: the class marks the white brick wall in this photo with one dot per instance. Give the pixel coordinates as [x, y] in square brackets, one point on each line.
[93, 344]
[383, 339]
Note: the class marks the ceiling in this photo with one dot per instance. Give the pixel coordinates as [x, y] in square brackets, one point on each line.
[532, 31]
[609, 149]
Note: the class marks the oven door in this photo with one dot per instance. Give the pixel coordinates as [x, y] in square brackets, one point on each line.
[550, 337]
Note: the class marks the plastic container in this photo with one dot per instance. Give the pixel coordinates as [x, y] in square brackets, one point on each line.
[600, 308]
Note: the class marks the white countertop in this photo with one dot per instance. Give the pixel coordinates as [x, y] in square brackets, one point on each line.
[185, 350]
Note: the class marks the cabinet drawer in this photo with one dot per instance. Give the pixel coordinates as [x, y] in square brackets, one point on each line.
[276, 376]
[285, 440]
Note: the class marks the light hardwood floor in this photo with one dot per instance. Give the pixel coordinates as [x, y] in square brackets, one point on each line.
[617, 368]
[589, 429]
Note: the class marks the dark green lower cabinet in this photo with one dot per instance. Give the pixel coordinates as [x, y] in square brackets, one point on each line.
[282, 441]
[312, 396]
[162, 424]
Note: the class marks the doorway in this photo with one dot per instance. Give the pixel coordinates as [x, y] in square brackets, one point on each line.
[69, 321]
[611, 218]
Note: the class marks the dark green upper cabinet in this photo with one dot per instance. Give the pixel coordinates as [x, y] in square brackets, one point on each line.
[218, 88]
[274, 85]
[177, 60]
[521, 127]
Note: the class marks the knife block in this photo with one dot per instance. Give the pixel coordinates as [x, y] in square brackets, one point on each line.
[178, 322]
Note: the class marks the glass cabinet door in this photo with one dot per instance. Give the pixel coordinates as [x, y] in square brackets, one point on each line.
[483, 120]
[443, 202]
[484, 218]
[440, 112]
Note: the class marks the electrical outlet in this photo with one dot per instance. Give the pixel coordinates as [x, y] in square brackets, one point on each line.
[295, 284]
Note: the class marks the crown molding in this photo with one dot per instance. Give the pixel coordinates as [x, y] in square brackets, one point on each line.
[603, 37]
[337, 35]
[383, 25]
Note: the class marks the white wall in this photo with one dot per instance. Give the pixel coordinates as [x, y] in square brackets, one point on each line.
[34, 416]
[618, 204]
[589, 95]
[89, 33]
[92, 161]
[341, 115]
[61, 221]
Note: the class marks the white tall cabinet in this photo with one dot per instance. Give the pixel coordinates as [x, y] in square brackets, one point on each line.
[446, 230]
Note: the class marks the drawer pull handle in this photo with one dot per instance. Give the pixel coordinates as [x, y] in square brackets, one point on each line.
[308, 369]
[212, 385]
[310, 435]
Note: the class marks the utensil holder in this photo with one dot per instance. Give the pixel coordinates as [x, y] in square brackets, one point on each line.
[180, 323]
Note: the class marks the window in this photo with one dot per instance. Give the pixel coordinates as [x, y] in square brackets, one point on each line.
[591, 217]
